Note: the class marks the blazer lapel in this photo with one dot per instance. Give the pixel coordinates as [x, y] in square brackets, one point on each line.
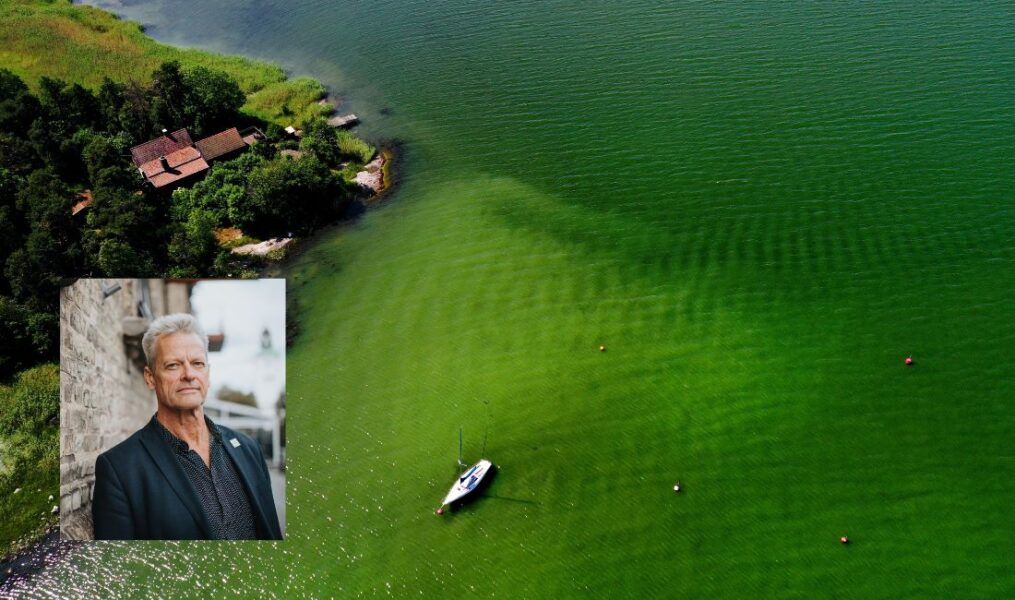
[177, 479]
[248, 476]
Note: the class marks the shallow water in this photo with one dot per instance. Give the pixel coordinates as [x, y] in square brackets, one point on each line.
[759, 210]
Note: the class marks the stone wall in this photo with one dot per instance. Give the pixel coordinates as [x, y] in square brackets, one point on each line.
[103, 397]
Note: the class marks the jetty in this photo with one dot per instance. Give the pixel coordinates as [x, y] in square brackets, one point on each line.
[343, 120]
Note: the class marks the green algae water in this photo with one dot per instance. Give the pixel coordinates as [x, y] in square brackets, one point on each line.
[758, 210]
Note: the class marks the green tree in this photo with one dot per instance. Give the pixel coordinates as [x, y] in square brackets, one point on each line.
[117, 258]
[223, 186]
[99, 154]
[320, 139]
[32, 403]
[289, 196]
[51, 253]
[18, 108]
[133, 221]
[11, 85]
[17, 154]
[111, 98]
[12, 225]
[46, 138]
[193, 247]
[203, 100]
[212, 100]
[126, 108]
[333, 146]
[28, 336]
[168, 96]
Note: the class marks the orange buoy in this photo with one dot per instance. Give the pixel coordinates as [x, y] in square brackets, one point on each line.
[440, 511]
[909, 360]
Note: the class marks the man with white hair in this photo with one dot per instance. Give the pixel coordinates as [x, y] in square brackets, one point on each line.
[182, 477]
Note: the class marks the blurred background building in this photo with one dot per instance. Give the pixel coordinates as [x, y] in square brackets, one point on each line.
[103, 396]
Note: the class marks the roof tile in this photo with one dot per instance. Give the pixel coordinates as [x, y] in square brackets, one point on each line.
[220, 144]
[160, 146]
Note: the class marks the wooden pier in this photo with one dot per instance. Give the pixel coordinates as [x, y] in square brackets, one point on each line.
[343, 120]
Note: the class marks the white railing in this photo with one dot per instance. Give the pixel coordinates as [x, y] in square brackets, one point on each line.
[239, 416]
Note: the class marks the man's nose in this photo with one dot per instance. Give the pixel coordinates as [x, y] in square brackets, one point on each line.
[189, 372]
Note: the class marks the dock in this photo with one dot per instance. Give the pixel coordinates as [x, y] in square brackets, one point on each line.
[343, 120]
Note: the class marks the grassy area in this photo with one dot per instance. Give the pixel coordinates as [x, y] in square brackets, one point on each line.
[27, 515]
[82, 44]
[29, 472]
[351, 145]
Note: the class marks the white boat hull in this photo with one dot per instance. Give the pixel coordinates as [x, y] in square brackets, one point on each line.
[468, 481]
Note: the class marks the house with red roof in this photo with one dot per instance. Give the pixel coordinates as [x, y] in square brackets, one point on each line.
[222, 145]
[84, 201]
[170, 159]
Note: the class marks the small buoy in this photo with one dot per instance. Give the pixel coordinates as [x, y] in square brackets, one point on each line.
[844, 540]
[602, 348]
[676, 487]
[909, 360]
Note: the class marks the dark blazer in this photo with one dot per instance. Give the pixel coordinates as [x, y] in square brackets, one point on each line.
[142, 493]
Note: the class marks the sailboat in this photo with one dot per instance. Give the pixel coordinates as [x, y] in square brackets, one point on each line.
[468, 481]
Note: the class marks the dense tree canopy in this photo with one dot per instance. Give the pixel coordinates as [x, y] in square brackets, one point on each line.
[29, 336]
[51, 252]
[66, 139]
[289, 197]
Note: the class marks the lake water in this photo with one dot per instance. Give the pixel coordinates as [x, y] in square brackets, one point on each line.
[759, 210]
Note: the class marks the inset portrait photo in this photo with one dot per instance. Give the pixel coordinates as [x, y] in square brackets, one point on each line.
[172, 409]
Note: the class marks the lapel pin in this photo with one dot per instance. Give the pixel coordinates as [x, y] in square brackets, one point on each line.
[235, 442]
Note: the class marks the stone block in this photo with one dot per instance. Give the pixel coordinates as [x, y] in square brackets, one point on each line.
[73, 420]
[90, 443]
[74, 320]
[67, 471]
[76, 500]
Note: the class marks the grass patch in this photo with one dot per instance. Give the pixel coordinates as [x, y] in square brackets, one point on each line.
[243, 240]
[30, 451]
[348, 172]
[293, 101]
[350, 145]
[26, 516]
[83, 44]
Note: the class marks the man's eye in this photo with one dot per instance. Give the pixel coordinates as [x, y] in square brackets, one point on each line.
[171, 366]
[199, 364]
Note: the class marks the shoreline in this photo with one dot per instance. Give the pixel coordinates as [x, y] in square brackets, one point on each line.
[128, 53]
[271, 93]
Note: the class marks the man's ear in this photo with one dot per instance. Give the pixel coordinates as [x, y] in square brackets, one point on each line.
[149, 378]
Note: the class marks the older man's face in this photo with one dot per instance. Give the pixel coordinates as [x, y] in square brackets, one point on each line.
[180, 378]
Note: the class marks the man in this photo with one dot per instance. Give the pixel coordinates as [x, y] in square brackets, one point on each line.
[181, 477]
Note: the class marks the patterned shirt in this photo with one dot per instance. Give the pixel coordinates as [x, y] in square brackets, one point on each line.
[219, 487]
